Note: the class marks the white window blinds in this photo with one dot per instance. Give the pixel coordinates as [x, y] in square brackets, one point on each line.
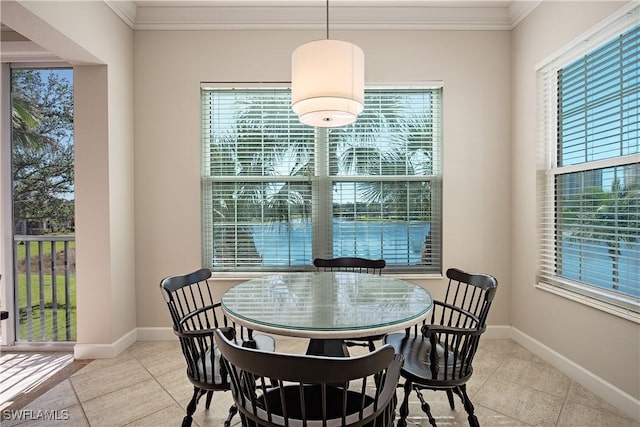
[589, 186]
[385, 171]
[277, 194]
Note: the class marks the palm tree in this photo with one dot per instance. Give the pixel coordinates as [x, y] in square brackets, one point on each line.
[25, 122]
[387, 140]
[259, 144]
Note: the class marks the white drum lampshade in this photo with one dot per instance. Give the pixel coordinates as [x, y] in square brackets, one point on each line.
[327, 83]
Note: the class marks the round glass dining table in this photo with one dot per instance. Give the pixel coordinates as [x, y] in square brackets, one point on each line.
[327, 307]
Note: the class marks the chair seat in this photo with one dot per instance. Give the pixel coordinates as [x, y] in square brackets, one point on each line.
[312, 396]
[417, 351]
[313, 412]
[262, 342]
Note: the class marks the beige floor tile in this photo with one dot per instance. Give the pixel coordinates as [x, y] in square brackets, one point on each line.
[576, 415]
[478, 379]
[539, 377]
[488, 362]
[440, 409]
[520, 402]
[444, 415]
[105, 363]
[579, 394]
[177, 385]
[53, 402]
[171, 415]
[60, 397]
[490, 356]
[497, 348]
[105, 380]
[127, 405]
[159, 357]
[217, 414]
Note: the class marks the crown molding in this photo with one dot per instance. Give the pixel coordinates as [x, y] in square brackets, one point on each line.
[518, 10]
[311, 14]
[125, 9]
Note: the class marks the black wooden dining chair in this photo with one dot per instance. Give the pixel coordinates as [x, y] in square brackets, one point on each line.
[353, 264]
[454, 332]
[356, 265]
[196, 315]
[273, 390]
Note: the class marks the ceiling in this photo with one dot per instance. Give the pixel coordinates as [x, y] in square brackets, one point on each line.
[145, 15]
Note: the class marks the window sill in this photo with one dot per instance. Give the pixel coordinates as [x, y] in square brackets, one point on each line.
[607, 307]
[245, 275]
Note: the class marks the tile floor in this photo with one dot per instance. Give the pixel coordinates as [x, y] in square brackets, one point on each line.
[146, 386]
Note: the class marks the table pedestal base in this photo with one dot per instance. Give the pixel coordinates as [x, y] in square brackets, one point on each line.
[332, 348]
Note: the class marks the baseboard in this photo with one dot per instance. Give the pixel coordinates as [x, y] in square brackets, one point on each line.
[105, 351]
[607, 391]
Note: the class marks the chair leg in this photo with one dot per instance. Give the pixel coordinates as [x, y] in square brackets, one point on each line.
[191, 407]
[232, 411]
[404, 407]
[468, 406]
[425, 407]
[450, 397]
[209, 398]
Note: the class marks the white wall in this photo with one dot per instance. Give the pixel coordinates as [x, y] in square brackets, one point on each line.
[91, 37]
[604, 345]
[168, 69]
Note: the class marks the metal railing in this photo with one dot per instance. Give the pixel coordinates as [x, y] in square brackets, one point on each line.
[45, 285]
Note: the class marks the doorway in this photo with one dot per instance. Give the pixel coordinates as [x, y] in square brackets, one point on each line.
[42, 205]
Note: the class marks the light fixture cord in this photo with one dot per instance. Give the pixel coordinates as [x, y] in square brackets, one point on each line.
[327, 19]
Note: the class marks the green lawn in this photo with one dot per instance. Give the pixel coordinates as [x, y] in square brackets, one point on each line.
[42, 309]
[45, 312]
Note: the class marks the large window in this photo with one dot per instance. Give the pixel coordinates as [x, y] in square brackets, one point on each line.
[589, 177]
[277, 194]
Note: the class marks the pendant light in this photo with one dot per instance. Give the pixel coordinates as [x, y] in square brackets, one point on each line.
[327, 82]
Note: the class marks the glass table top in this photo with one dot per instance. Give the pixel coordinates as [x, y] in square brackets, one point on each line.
[327, 304]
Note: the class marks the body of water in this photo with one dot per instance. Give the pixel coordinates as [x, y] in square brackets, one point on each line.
[291, 244]
[595, 263]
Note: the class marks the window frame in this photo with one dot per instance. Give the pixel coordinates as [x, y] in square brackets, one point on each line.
[624, 306]
[322, 188]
